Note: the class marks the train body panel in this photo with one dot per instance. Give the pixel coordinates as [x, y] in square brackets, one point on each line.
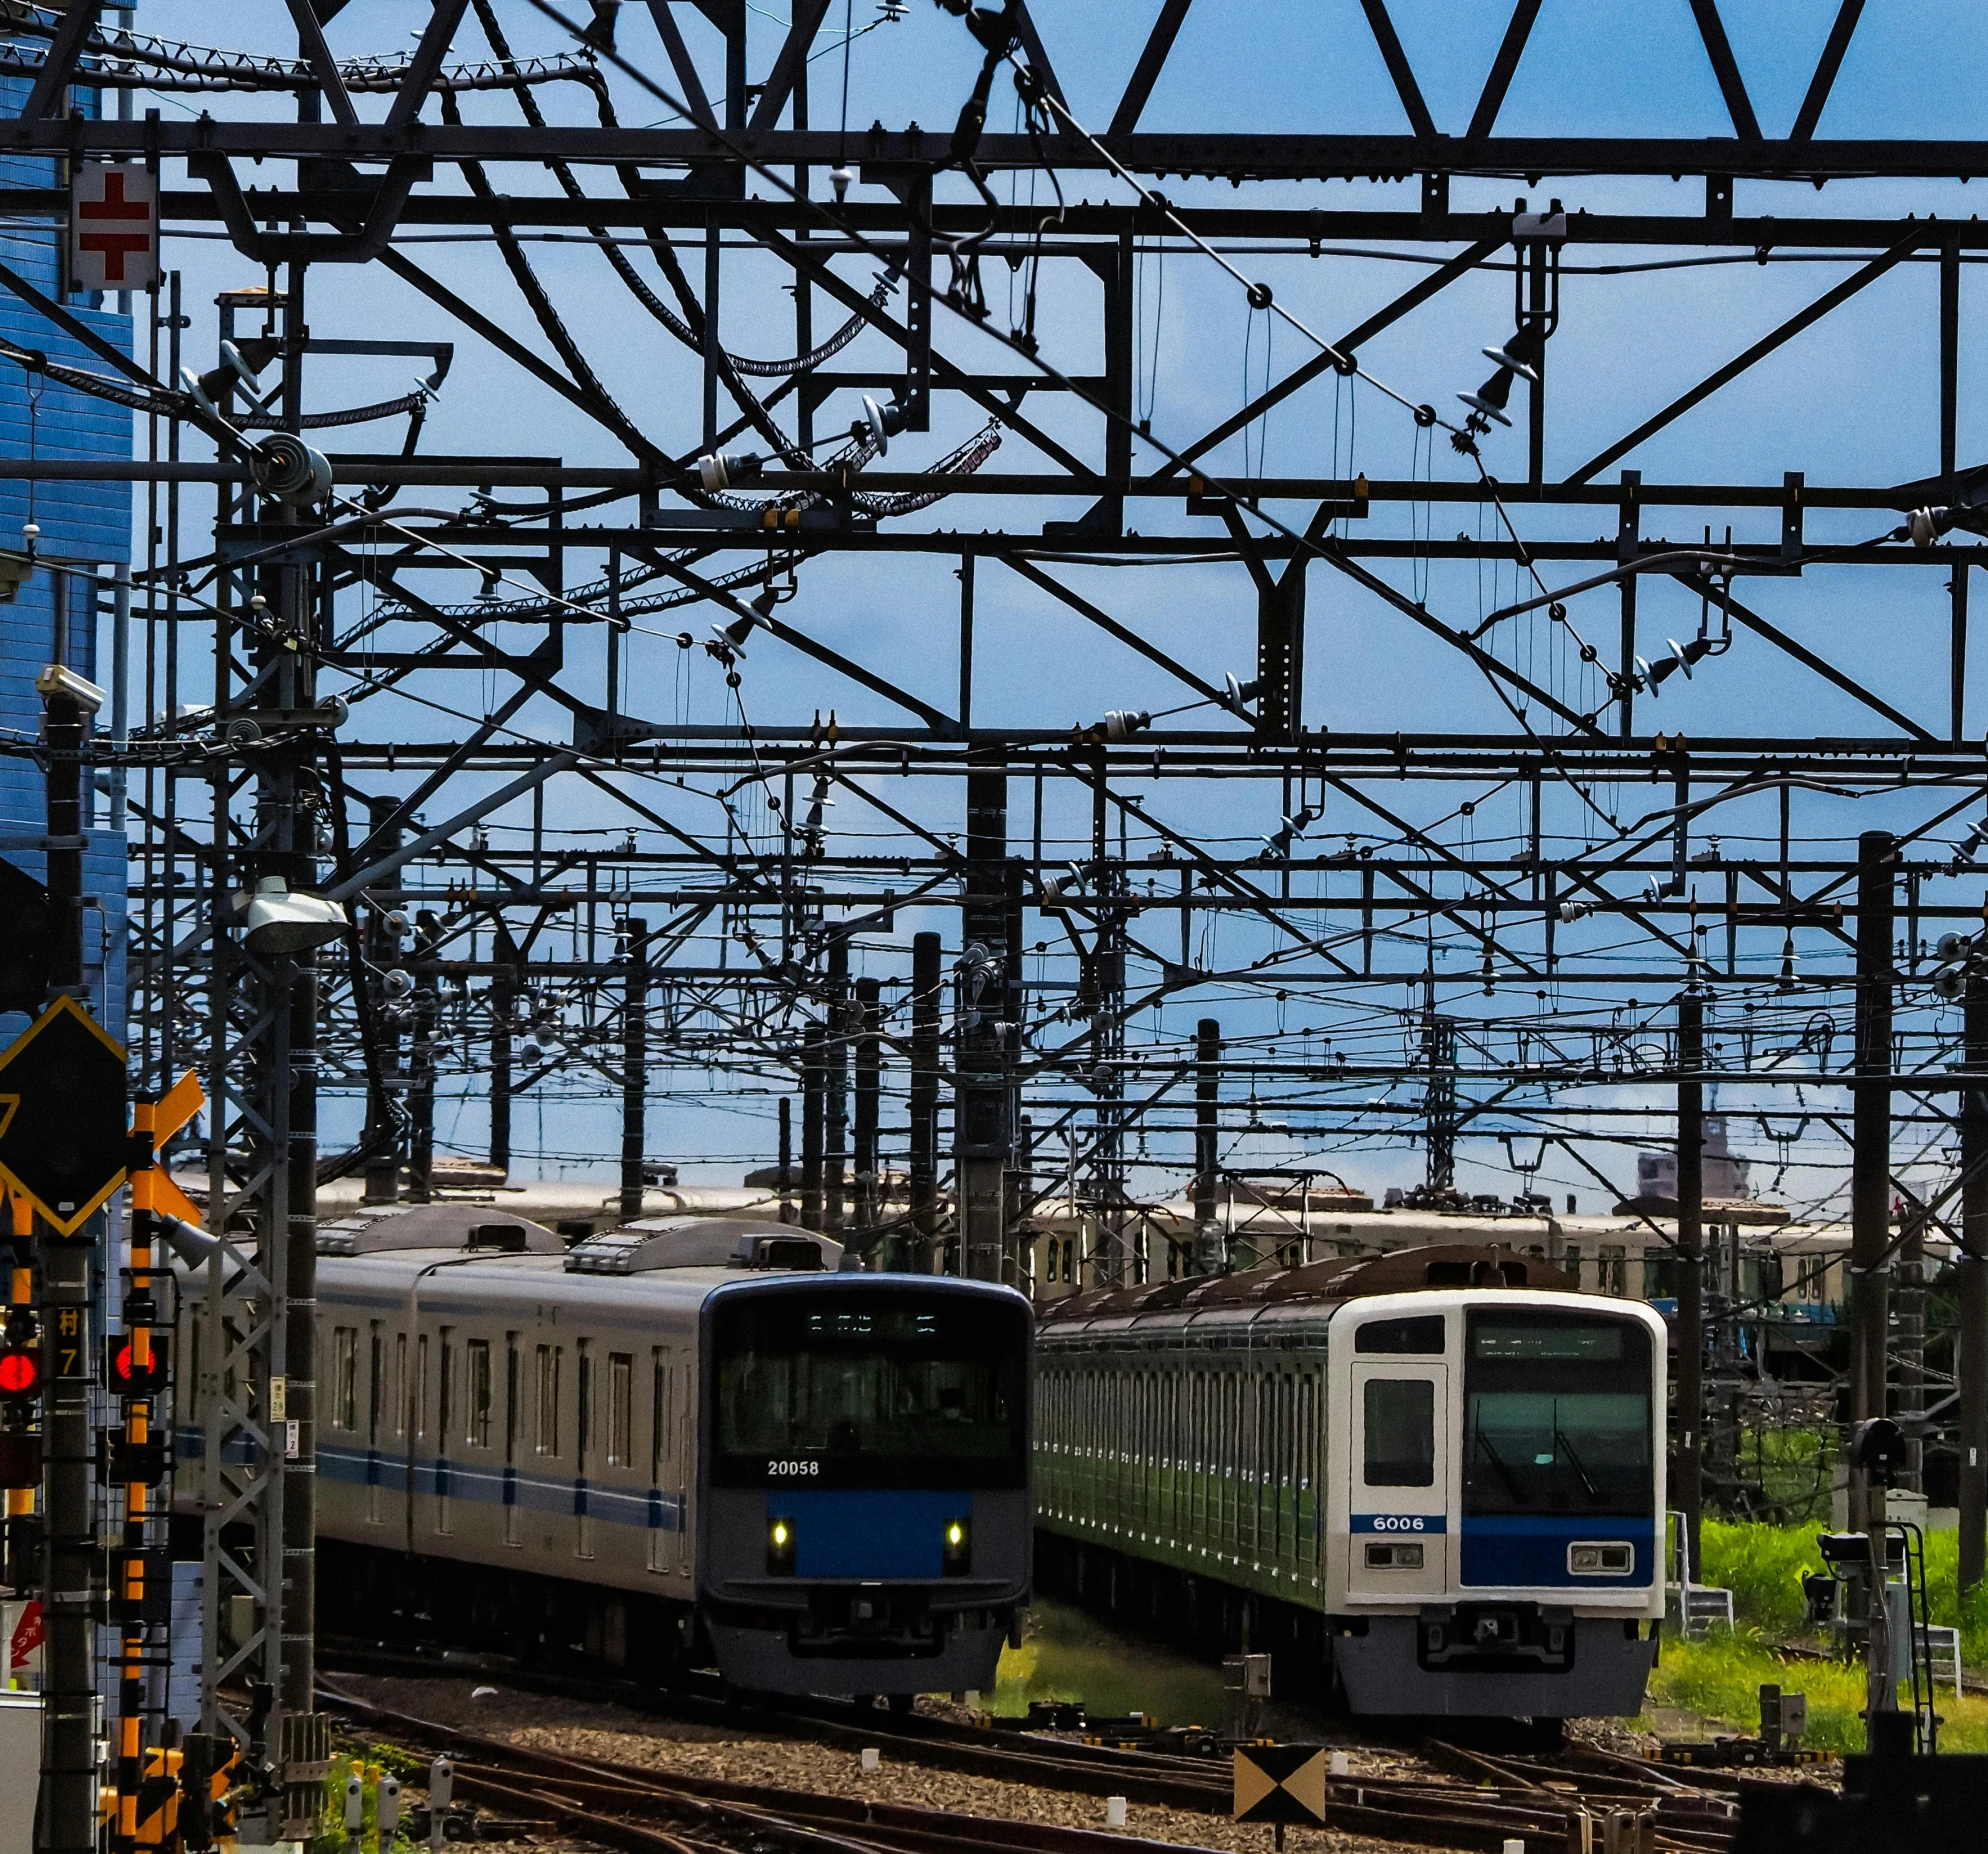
[634, 1434]
[1465, 1484]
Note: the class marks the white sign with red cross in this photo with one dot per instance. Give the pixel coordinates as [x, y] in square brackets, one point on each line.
[113, 227]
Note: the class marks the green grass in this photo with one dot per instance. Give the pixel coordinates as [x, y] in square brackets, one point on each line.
[1762, 1566]
[1069, 1655]
[1720, 1677]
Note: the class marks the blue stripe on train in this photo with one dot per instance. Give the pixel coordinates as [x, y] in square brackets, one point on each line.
[1521, 1550]
[649, 1507]
[847, 1532]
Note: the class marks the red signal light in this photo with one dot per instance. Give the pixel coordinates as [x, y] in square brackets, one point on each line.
[20, 1372]
[123, 1378]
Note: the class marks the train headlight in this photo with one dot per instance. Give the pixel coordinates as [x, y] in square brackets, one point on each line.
[956, 1548]
[780, 1548]
[1593, 1558]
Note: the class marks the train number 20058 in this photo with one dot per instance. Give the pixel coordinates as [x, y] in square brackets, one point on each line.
[784, 1470]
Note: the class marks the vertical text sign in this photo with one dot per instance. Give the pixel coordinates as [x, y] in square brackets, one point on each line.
[113, 227]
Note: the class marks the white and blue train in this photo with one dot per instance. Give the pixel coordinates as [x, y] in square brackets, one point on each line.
[693, 1441]
[1433, 1478]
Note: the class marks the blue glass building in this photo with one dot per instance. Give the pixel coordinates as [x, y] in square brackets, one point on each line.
[85, 534]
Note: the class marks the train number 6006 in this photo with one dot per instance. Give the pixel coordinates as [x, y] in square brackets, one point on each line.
[1399, 1522]
[779, 1468]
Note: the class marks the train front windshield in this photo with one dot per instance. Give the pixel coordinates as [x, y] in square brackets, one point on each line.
[1556, 1415]
[844, 1391]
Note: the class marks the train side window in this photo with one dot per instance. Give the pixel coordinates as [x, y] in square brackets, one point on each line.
[659, 1413]
[510, 1398]
[584, 1426]
[1612, 1269]
[400, 1384]
[546, 1432]
[345, 1377]
[1400, 1418]
[445, 1401]
[620, 1409]
[1570, 1262]
[376, 1361]
[1421, 1334]
[477, 1432]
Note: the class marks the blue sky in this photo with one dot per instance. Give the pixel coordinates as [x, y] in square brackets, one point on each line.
[1853, 400]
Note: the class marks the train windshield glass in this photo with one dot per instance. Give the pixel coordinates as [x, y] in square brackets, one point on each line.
[850, 1392]
[1556, 1415]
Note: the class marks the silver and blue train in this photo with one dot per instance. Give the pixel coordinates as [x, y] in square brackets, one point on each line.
[689, 1442]
[1433, 1479]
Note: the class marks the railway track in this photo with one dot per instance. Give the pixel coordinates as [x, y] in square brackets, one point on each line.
[1061, 1764]
[1492, 1801]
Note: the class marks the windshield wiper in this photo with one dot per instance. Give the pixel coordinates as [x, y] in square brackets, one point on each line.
[1560, 1441]
[1505, 1474]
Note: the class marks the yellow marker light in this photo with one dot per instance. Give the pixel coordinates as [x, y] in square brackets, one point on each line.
[956, 1557]
[780, 1548]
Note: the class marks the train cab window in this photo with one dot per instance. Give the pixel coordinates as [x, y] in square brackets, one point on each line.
[584, 1426]
[1557, 1415]
[400, 1384]
[1421, 1334]
[345, 1377]
[886, 1388]
[476, 1431]
[620, 1409]
[545, 1435]
[1400, 1420]
[374, 1387]
[420, 1420]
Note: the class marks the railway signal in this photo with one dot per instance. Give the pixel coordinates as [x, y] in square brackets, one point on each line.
[20, 1372]
[125, 1375]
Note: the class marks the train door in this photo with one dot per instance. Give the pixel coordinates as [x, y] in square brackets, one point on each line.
[1399, 1466]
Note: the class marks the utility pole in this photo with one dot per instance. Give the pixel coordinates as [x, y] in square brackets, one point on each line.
[1688, 1433]
[68, 1822]
[814, 1060]
[869, 1085]
[503, 996]
[1870, 1237]
[1870, 1164]
[382, 929]
[634, 1068]
[924, 1104]
[1107, 1040]
[421, 1084]
[1208, 1244]
[1971, 1375]
[835, 1094]
[983, 1135]
[783, 1177]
